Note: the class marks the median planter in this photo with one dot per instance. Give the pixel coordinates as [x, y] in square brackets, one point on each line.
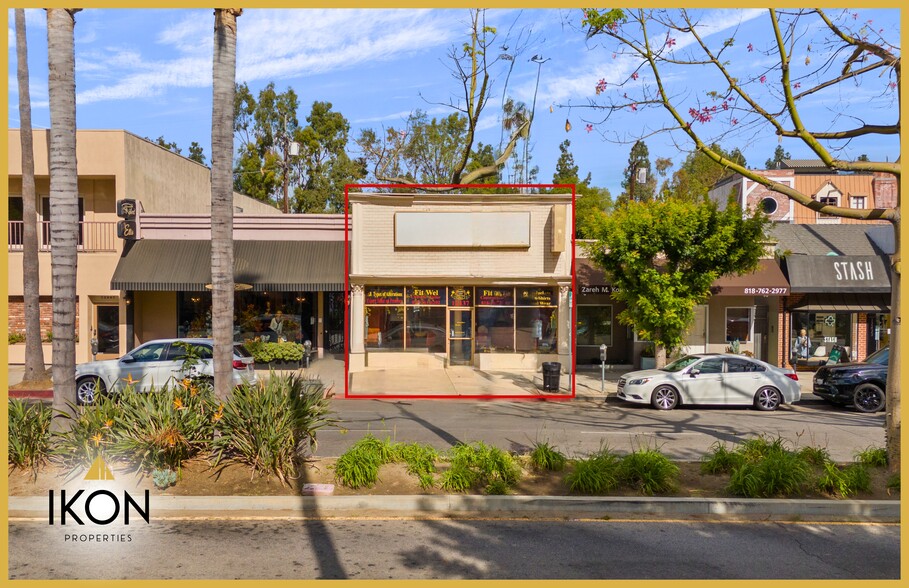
[278, 365]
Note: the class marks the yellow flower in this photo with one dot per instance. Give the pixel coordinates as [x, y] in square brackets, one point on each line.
[108, 424]
[97, 438]
[178, 404]
[129, 379]
[186, 382]
[193, 391]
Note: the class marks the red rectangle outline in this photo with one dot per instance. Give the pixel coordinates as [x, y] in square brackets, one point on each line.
[574, 305]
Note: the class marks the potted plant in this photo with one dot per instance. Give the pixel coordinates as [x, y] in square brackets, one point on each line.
[648, 357]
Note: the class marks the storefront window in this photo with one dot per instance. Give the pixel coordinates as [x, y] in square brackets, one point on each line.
[426, 328]
[495, 329]
[384, 327]
[738, 324]
[823, 330]
[264, 316]
[535, 329]
[594, 325]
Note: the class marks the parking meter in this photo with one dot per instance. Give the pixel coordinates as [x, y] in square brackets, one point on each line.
[602, 367]
[307, 347]
[94, 342]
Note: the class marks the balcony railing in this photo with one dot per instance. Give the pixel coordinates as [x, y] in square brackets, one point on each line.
[93, 236]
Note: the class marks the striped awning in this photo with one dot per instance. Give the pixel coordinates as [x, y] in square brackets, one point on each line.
[280, 266]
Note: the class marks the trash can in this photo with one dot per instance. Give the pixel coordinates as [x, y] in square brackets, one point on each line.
[551, 374]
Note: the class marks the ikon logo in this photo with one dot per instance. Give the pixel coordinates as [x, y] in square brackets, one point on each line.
[101, 507]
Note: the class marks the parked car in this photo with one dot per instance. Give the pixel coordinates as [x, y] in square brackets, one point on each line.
[710, 378]
[155, 364]
[861, 384]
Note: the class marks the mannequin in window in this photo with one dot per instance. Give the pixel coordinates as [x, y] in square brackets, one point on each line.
[536, 326]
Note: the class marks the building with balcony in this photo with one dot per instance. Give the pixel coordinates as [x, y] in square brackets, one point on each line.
[112, 165]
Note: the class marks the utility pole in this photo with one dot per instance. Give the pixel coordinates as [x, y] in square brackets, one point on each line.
[291, 148]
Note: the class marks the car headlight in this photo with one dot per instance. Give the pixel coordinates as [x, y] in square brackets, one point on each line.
[639, 381]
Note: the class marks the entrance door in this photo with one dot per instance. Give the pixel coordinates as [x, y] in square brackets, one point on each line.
[334, 322]
[460, 336]
[696, 337]
[107, 330]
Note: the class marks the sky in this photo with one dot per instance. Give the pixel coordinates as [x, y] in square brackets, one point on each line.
[149, 72]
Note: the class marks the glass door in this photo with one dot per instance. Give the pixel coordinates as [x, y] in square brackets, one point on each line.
[107, 330]
[460, 336]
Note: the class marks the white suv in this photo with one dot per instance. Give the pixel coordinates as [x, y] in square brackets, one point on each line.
[156, 364]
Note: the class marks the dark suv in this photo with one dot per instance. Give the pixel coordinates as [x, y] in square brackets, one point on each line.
[859, 384]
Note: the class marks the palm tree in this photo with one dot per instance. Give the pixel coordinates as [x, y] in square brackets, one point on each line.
[34, 353]
[64, 201]
[222, 246]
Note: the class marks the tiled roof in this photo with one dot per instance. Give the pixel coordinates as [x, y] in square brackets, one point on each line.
[803, 163]
[846, 239]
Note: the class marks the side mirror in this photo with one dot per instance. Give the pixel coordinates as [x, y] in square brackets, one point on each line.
[694, 372]
[127, 359]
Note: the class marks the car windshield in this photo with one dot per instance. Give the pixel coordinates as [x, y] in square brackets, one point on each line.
[241, 351]
[680, 364]
[880, 357]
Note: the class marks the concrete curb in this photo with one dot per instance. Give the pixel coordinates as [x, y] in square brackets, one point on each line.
[308, 506]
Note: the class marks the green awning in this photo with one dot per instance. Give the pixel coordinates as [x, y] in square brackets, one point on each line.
[280, 266]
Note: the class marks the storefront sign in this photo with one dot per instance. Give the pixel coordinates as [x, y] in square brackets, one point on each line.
[535, 297]
[460, 326]
[460, 296]
[594, 290]
[426, 295]
[495, 297]
[384, 295]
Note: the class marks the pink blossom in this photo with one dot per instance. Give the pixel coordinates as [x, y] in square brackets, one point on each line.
[589, 127]
[735, 121]
[601, 86]
[892, 85]
[634, 76]
[614, 56]
[725, 105]
[670, 42]
[855, 16]
[763, 79]
[750, 47]
[634, 107]
[797, 85]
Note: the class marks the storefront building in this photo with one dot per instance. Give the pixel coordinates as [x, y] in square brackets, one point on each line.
[840, 280]
[469, 280]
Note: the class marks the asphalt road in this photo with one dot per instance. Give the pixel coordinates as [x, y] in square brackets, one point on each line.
[580, 427]
[442, 549]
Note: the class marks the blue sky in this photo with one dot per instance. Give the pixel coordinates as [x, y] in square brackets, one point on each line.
[149, 72]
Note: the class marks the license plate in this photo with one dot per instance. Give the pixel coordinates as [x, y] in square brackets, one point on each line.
[818, 381]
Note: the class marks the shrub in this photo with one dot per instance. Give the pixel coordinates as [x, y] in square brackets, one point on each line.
[16, 337]
[649, 471]
[596, 474]
[358, 467]
[270, 426]
[164, 427]
[164, 479]
[760, 447]
[815, 455]
[875, 457]
[94, 428]
[844, 482]
[547, 458]
[721, 459]
[478, 464]
[29, 433]
[266, 352]
[779, 473]
[420, 459]
[497, 487]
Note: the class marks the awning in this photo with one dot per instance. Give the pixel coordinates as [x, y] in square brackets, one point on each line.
[851, 303]
[281, 266]
[767, 280]
[838, 273]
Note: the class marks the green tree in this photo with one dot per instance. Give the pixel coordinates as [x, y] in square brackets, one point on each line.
[34, 352]
[169, 145]
[638, 159]
[771, 101]
[775, 162]
[698, 173]
[662, 256]
[591, 203]
[196, 153]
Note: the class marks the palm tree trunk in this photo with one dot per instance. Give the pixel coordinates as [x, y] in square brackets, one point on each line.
[222, 221]
[64, 202]
[894, 418]
[34, 353]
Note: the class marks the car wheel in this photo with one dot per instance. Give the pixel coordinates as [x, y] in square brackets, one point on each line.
[767, 399]
[868, 398]
[664, 398]
[87, 389]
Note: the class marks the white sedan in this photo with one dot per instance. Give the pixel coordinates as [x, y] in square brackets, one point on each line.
[156, 364]
[712, 379]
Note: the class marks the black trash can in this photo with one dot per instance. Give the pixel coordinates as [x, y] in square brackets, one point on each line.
[551, 373]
